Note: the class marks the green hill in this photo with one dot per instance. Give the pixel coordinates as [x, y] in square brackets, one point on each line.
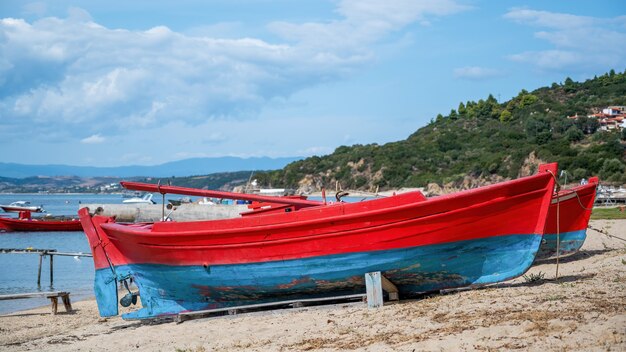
[485, 140]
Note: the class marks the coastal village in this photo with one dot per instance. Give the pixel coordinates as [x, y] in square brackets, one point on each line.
[609, 119]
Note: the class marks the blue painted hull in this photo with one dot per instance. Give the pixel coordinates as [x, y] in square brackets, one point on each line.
[569, 243]
[167, 289]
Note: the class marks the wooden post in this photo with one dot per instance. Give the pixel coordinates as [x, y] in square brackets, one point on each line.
[51, 269]
[39, 271]
[163, 207]
[375, 283]
[374, 289]
[66, 302]
[55, 304]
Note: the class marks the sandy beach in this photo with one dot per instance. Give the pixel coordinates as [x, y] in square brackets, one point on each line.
[585, 309]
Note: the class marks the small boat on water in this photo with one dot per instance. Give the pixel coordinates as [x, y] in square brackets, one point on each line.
[22, 206]
[304, 249]
[45, 223]
[146, 199]
[572, 207]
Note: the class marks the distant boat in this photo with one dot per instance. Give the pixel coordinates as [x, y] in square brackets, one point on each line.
[22, 206]
[303, 249]
[146, 199]
[253, 188]
[26, 223]
[572, 207]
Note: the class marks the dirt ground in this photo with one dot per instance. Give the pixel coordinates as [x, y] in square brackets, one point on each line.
[585, 309]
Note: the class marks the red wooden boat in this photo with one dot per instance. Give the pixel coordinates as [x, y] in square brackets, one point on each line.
[26, 223]
[573, 209]
[302, 249]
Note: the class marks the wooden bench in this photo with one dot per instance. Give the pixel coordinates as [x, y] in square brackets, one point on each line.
[53, 296]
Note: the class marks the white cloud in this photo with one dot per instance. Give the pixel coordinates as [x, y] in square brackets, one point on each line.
[93, 139]
[475, 73]
[578, 42]
[396, 12]
[73, 72]
[548, 19]
[363, 22]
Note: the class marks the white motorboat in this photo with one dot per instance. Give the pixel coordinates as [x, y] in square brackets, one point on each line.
[22, 206]
[146, 199]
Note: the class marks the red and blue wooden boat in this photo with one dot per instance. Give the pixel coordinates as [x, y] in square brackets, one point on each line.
[474, 237]
[26, 223]
[572, 207]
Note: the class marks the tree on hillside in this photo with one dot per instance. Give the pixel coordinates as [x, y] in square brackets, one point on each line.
[484, 139]
[588, 125]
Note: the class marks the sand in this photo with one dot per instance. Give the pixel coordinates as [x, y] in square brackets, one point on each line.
[584, 310]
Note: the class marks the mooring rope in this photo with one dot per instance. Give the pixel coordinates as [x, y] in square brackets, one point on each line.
[604, 232]
[580, 202]
[558, 211]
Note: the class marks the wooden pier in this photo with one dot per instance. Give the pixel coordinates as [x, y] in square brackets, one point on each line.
[44, 252]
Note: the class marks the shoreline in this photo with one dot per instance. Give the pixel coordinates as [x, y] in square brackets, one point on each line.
[585, 309]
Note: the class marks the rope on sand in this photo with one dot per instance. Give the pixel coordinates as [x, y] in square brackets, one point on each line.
[604, 232]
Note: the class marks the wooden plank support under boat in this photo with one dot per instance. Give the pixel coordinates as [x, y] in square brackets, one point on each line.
[375, 283]
[296, 303]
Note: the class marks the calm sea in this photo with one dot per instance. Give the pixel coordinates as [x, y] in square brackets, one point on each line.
[18, 272]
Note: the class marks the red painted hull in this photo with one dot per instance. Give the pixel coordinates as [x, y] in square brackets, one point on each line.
[401, 221]
[571, 210]
[573, 207]
[11, 224]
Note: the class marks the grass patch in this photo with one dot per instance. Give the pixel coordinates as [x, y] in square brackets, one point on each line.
[608, 214]
[532, 278]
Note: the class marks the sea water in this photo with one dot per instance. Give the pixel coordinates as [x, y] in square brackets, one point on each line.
[18, 272]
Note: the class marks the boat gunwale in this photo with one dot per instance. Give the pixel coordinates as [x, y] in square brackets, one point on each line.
[150, 231]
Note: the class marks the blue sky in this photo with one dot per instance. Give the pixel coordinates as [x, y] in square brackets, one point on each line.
[145, 82]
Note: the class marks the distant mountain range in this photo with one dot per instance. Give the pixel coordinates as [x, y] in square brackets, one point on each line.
[187, 167]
